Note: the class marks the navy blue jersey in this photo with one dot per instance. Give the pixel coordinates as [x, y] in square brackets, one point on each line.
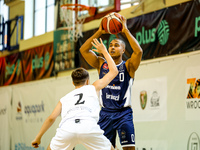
[117, 94]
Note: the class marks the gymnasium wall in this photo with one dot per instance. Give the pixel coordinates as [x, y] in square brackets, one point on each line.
[170, 119]
[167, 118]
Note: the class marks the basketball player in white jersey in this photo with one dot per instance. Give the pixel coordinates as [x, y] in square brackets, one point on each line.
[79, 110]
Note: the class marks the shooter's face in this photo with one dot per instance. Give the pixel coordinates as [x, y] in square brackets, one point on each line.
[116, 48]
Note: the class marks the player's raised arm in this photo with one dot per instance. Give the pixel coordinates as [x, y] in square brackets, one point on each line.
[87, 53]
[133, 62]
[113, 71]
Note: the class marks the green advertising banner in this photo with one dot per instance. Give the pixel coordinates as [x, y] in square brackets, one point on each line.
[64, 52]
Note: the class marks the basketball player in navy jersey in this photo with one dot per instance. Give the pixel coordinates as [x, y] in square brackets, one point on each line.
[115, 98]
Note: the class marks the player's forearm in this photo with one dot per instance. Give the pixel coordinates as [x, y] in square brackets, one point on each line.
[133, 42]
[87, 45]
[46, 125]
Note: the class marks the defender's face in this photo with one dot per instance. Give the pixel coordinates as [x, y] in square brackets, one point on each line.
[116, 48]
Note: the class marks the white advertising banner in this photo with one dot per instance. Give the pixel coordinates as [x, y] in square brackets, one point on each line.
[149, 99]
[5, 105]
[32, 104]
[192, 96]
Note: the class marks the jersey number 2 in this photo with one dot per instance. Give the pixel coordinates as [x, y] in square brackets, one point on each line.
[80, 101]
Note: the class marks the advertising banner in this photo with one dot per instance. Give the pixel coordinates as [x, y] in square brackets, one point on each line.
[192, 98]
[11, 69]
[150, 99]
[168, 31]
[64, 52]
[5, 107]
[38, 62]
[32, 104]
[33, 64]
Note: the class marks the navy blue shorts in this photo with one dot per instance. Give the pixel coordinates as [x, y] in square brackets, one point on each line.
[120, 121]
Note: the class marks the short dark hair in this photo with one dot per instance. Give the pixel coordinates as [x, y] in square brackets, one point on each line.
[79, 76]
[120, 40]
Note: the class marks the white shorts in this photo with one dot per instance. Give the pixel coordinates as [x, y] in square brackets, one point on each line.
[85, 132]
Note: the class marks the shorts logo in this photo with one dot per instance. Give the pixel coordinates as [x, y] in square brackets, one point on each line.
[193, 142]
[123, 134]
[105, 66]
[143, 99]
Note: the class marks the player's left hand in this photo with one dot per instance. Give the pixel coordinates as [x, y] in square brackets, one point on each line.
[100, 47]
[124, 23]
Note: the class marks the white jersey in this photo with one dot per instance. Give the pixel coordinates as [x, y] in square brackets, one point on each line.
[80, 113]
[81, 103]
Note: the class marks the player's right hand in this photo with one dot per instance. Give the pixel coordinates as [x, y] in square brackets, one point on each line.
[101, 29]
[35, 143]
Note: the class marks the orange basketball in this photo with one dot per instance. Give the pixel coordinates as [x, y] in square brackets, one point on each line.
[111, 23]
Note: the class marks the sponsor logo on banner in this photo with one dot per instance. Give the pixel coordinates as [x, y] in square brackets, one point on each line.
[34, 109]
[197, 26]
[149, 36]
[143, 99]
[33, 112]
[19, 107]
[193, 95]
[151, 99]
[193, 142]
[37, 62]
[11, 68]
[30, 112]
[163, 32]
[155, 100]
[19, 111]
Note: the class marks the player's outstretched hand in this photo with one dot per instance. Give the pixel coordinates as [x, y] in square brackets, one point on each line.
[100, 47]
[124, 23]
[35, 143]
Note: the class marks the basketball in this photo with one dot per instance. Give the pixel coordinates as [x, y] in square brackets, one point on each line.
[111, 23]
